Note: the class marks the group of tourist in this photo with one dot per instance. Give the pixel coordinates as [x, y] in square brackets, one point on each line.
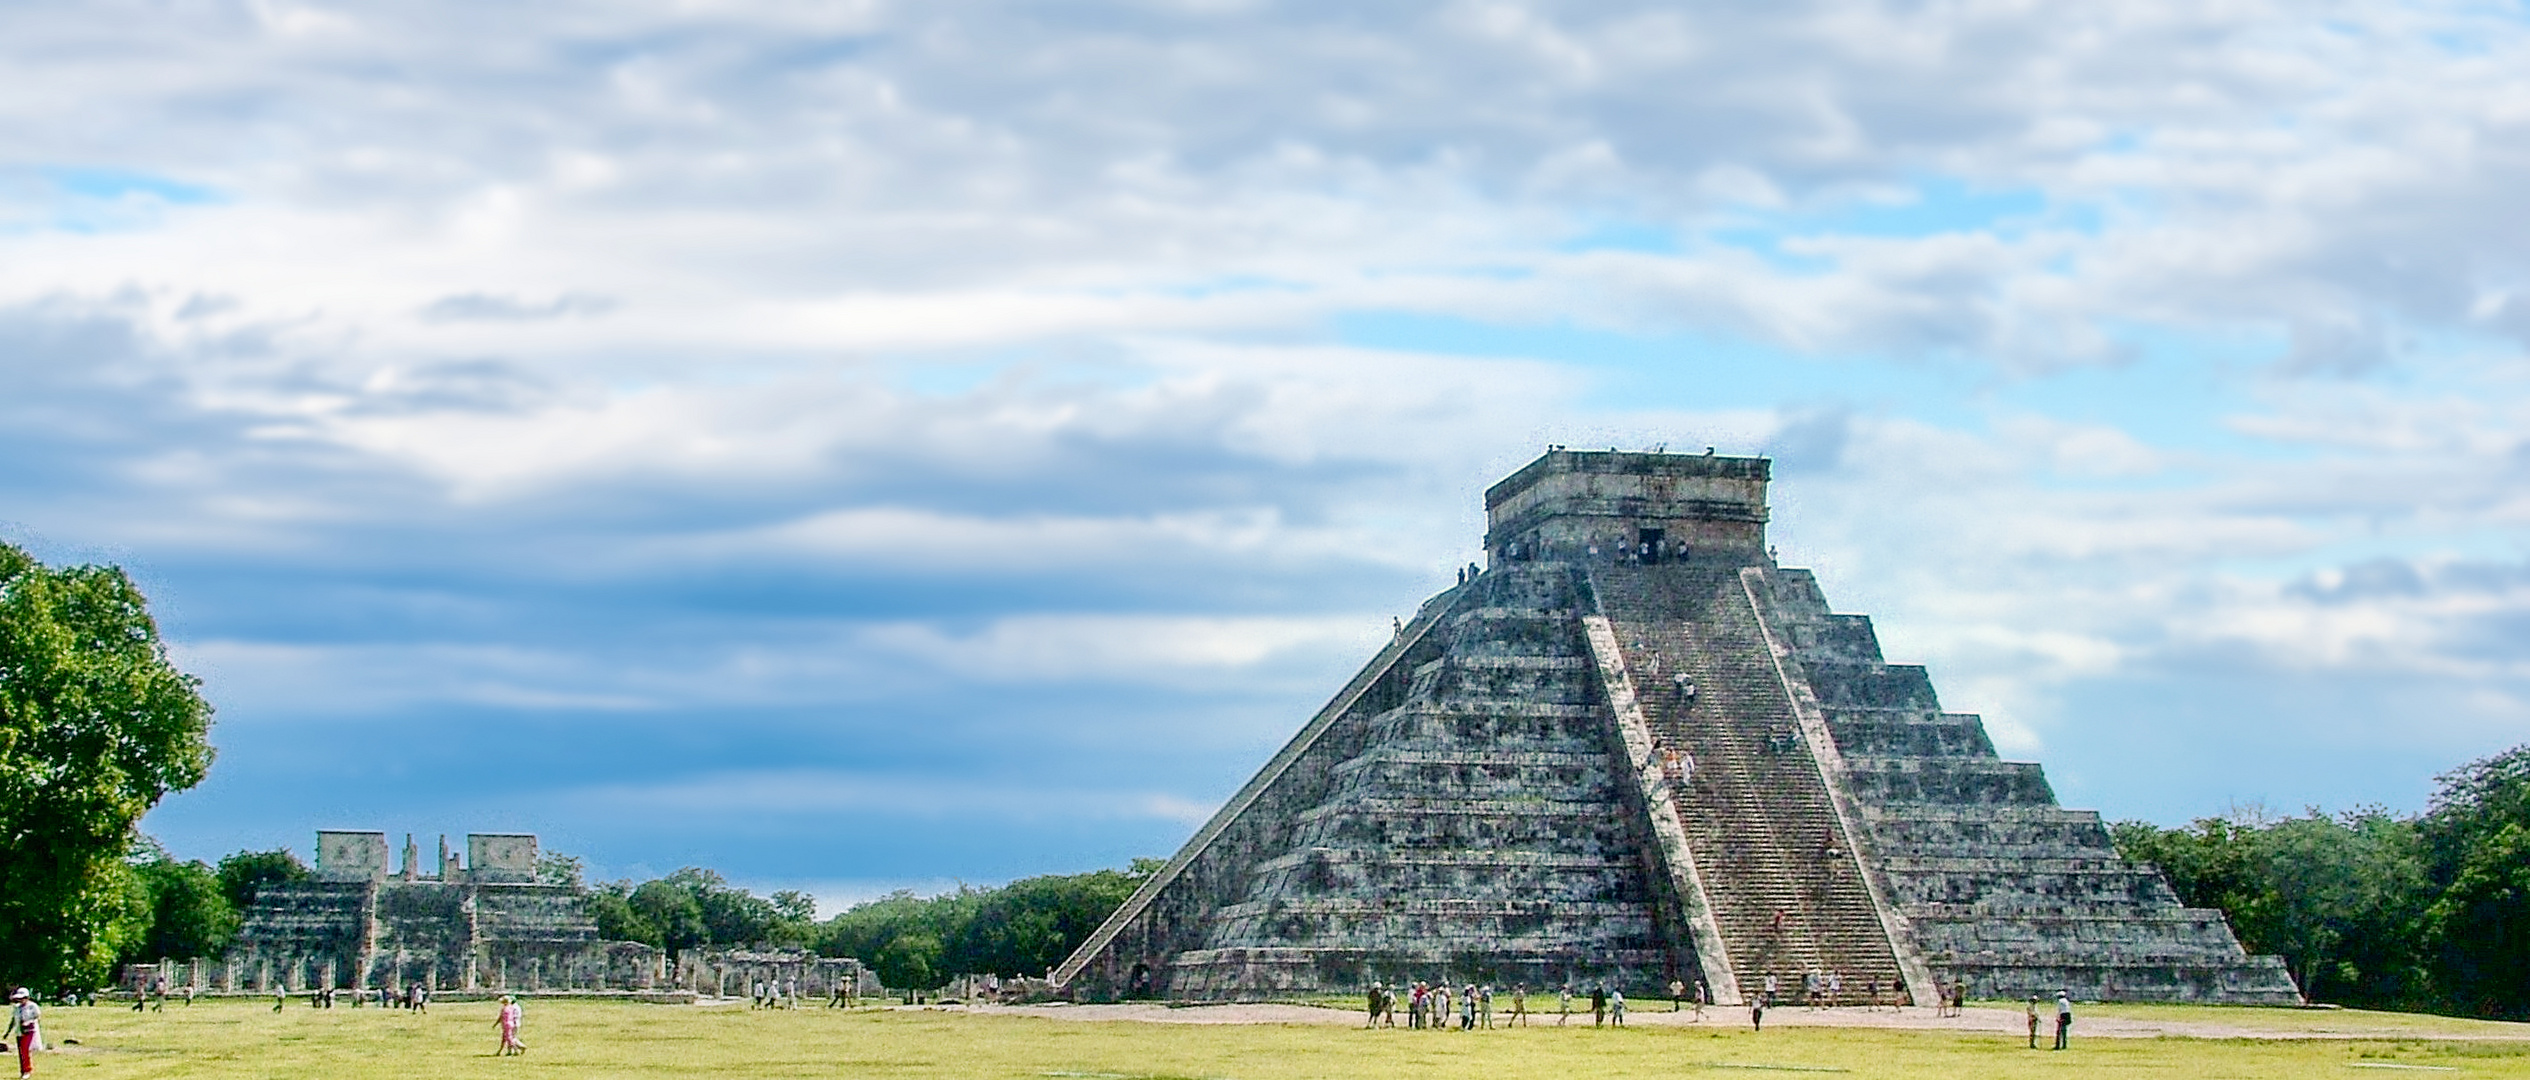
[1827, 991]
[154, 996]
[774, 994]
[2064, 1019]
[1429, 1006]
[414, 996]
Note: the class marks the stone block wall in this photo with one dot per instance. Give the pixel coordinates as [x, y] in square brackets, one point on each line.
[2001, 886]
[491, 927]
[1465, 824]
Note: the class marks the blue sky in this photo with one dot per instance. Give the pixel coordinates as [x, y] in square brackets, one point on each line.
[884, 445]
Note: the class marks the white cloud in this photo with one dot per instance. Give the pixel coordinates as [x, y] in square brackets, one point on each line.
[827, 794]
[906, 178]
[493, 355]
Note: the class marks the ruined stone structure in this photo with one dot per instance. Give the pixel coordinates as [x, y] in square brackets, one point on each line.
[485, 923]
[1634, 749]
[733, 972]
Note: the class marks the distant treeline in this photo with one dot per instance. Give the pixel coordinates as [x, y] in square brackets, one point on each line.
[1023, 928]
[2425, 912]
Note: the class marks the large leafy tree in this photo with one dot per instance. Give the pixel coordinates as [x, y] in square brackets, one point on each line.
[2339, 898]
[610, 904]
[1023, 928]
[670, 913]
[2477, 842]
[244, 875]
[189, 914]
[95, 727]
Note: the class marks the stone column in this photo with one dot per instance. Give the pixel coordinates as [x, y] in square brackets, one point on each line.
[474, 949]
[367, 958]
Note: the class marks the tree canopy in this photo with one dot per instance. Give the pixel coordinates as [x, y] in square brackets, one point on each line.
[95, 727]
[2373, 908]
[189, 914]
[696, 907]
[244, 874]
[1023, 928]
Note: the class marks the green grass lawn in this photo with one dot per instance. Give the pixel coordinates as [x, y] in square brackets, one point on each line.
[610, 1039]
[2320, 1021]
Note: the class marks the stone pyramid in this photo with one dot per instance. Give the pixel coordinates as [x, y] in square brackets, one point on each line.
[1633, 750]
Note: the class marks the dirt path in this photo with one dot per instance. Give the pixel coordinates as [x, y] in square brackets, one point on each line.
[2008, 1023]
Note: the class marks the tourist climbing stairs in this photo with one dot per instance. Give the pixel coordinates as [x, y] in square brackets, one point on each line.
[1780, 874]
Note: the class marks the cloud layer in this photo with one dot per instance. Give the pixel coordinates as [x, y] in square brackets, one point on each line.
[608, 418]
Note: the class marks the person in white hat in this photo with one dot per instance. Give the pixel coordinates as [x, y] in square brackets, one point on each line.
[25, 1021]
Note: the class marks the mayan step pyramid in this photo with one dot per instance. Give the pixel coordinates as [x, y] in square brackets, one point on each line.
[1633, 750]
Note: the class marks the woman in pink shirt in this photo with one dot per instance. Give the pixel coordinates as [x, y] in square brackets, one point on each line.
[511, 1017]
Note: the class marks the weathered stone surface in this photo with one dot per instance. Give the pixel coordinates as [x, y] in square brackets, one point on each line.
[1634, 750]
[489, 926]
[2000, 886]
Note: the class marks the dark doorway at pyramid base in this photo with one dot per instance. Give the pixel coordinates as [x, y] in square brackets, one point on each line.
[1634, 751]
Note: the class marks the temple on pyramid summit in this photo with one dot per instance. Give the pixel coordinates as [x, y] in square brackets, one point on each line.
[1633, 750]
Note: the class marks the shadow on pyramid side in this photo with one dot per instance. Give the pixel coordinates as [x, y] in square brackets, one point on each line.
[1634, 752]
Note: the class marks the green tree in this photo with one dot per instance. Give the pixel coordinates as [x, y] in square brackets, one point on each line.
[189, 914]
[244, 874]
[899, 935]
[731, 916]
[672, 914]
[95, 727]
[910, 959]
[1028, 926]
[1023, 928]
[2477, 841]
[2339, 898]
[610, 905]
[555, 868]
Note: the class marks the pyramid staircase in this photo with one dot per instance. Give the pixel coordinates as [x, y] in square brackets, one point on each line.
[1781, 875]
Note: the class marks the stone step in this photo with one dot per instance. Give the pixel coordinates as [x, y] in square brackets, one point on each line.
[1755, 814]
